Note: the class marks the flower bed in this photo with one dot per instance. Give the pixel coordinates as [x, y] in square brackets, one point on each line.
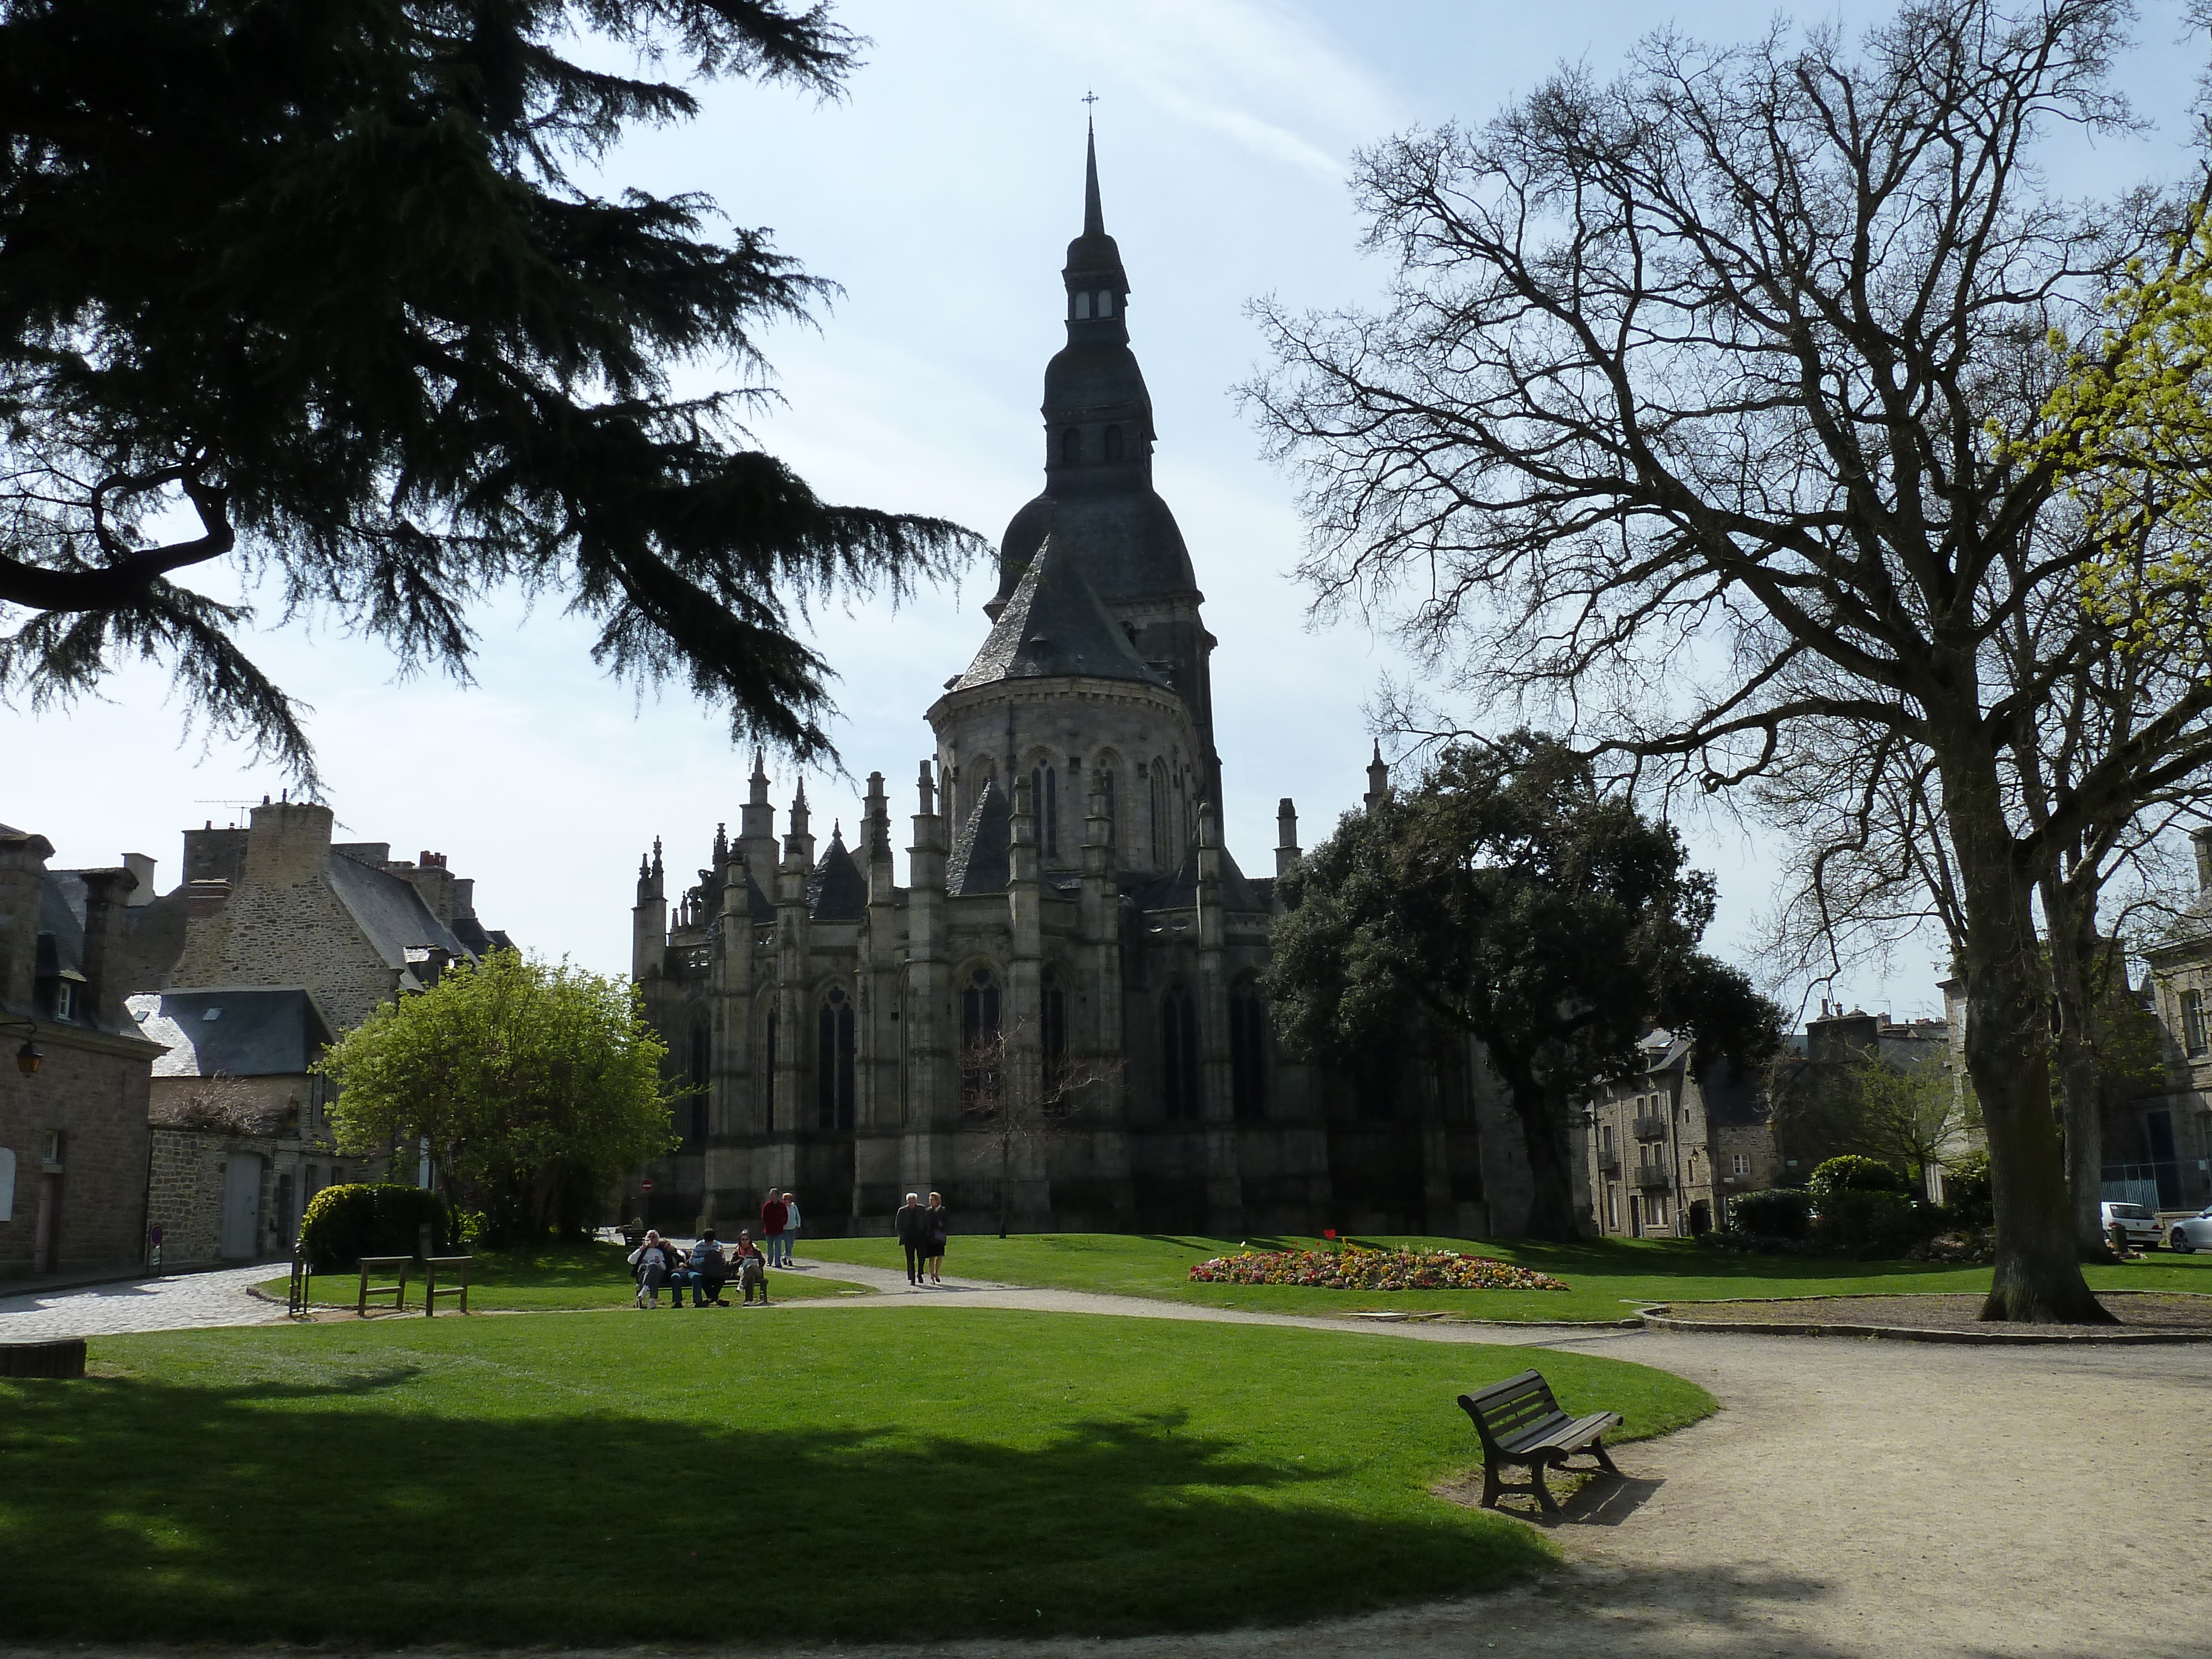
[1353, 1268]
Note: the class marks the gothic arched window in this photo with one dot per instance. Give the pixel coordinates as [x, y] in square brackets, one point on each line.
[700, 1050]
[1247, 1051]
[767, 1074]
[1082, 305]
[1113, 443]
[1105, 303]
[1053, 1009]
[1161, 823]
[1179, 1073]
[1044, 801]
[1071, 446]
[833, 1061]
[1113, 812]
[980, 1074]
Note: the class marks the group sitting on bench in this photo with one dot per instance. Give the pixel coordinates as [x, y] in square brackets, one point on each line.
[706, 1268]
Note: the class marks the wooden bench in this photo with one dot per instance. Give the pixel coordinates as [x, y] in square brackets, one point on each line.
[383, 1264]
[454, 1267]
[1520, 1422]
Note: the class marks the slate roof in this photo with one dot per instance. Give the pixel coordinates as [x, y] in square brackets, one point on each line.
[241, 1031]
[61, 924]
[979, 861]
[835, 889]
[1054, 625]
[1178, 891]
[391, 912]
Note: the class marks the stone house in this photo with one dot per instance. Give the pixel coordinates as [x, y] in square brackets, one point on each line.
[1669, 1146]
[2158, 1147]
[73, 1139]
[1070, 908]
[240, 1140]
[278, 904]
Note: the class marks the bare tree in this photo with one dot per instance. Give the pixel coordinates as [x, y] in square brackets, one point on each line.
[1688, 418]
[1023, 1098]
[217, 1101]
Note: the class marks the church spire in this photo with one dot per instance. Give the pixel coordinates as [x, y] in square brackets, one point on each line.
[1094, 216]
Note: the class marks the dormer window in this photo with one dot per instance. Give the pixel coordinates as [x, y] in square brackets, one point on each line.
[1113, 443]
[1071, 446]
[65, 1000]
[1105, 303]
[1082, 305]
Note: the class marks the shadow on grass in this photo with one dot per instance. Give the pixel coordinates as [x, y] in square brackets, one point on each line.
[135, 1510]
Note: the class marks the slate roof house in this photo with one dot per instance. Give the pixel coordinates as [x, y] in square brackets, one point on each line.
[1069, 898]
[1670, 1147]
[240, 1140]
[73, 1133]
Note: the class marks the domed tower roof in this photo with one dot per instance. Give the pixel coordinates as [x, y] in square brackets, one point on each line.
[1098, 505]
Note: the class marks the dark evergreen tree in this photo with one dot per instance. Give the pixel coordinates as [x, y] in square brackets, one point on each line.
[319, 276]
[1510, 900]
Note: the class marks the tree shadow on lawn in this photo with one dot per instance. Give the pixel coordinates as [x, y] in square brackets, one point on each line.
[137, 1510]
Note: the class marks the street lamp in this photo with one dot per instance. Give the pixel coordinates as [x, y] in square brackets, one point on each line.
[27, 1057]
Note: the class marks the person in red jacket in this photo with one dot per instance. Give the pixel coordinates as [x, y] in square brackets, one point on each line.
[773, 1215]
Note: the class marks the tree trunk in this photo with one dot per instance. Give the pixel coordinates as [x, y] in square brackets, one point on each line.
[2038, 1272]
[1553, 1214]
[2076, 959]
[1005, 1181]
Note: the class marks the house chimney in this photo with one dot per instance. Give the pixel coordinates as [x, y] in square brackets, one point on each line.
[23, 879]
[141, 866]
[204, 898]
[2202, 839]
[289, 843]
[107, 895]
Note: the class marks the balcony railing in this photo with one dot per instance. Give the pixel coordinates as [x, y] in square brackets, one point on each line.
[1654, 1175]
[1651, 1128]
[1608, 1164]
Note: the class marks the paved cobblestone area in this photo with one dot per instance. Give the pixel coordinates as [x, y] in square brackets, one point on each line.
[176, 1303]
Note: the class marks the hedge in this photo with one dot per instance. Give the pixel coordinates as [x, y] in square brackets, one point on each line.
[1779, 1213]
[346, 1222]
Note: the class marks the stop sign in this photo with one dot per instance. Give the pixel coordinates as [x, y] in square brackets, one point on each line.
[645, 1186]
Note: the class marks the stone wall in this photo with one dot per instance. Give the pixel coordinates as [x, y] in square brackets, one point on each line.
[285, 924]
[92, 1088]
[183, 1195]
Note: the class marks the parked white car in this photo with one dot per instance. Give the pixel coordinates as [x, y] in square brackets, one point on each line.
[2138, 1223]
[2192, 1232]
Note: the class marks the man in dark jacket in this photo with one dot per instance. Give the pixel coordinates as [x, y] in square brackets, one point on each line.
[912, 1226]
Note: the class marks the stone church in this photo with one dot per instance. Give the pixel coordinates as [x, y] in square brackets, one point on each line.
[1072, 932]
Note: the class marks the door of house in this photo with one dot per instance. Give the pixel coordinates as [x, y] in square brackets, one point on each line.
[241, 1208]
[1634, 1216]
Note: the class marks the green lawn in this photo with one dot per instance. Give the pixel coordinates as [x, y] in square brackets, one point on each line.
[551, 1276]
[1607, 1277]
[863, 1475]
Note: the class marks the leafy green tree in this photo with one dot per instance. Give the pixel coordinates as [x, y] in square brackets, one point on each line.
[535, 1085]
[1508, 899]
[317, 281]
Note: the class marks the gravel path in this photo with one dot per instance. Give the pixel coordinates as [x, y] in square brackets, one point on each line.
[1850, 1497]
[177, 1302]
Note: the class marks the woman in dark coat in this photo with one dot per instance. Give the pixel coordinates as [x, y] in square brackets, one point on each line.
[938, 1221]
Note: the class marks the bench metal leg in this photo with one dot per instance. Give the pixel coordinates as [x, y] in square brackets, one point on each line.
[1493, 1487]
[1597, 1449]
[1543, 1493]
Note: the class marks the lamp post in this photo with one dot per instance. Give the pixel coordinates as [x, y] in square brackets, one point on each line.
[27, 1057]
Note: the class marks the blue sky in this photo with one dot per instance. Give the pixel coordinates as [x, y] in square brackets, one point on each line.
[941, 194]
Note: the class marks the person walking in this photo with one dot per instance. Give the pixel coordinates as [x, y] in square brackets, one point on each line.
[649, 1264]
[790, 1224]
[774, 1215]
[940, 1223]
[912, 1224]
